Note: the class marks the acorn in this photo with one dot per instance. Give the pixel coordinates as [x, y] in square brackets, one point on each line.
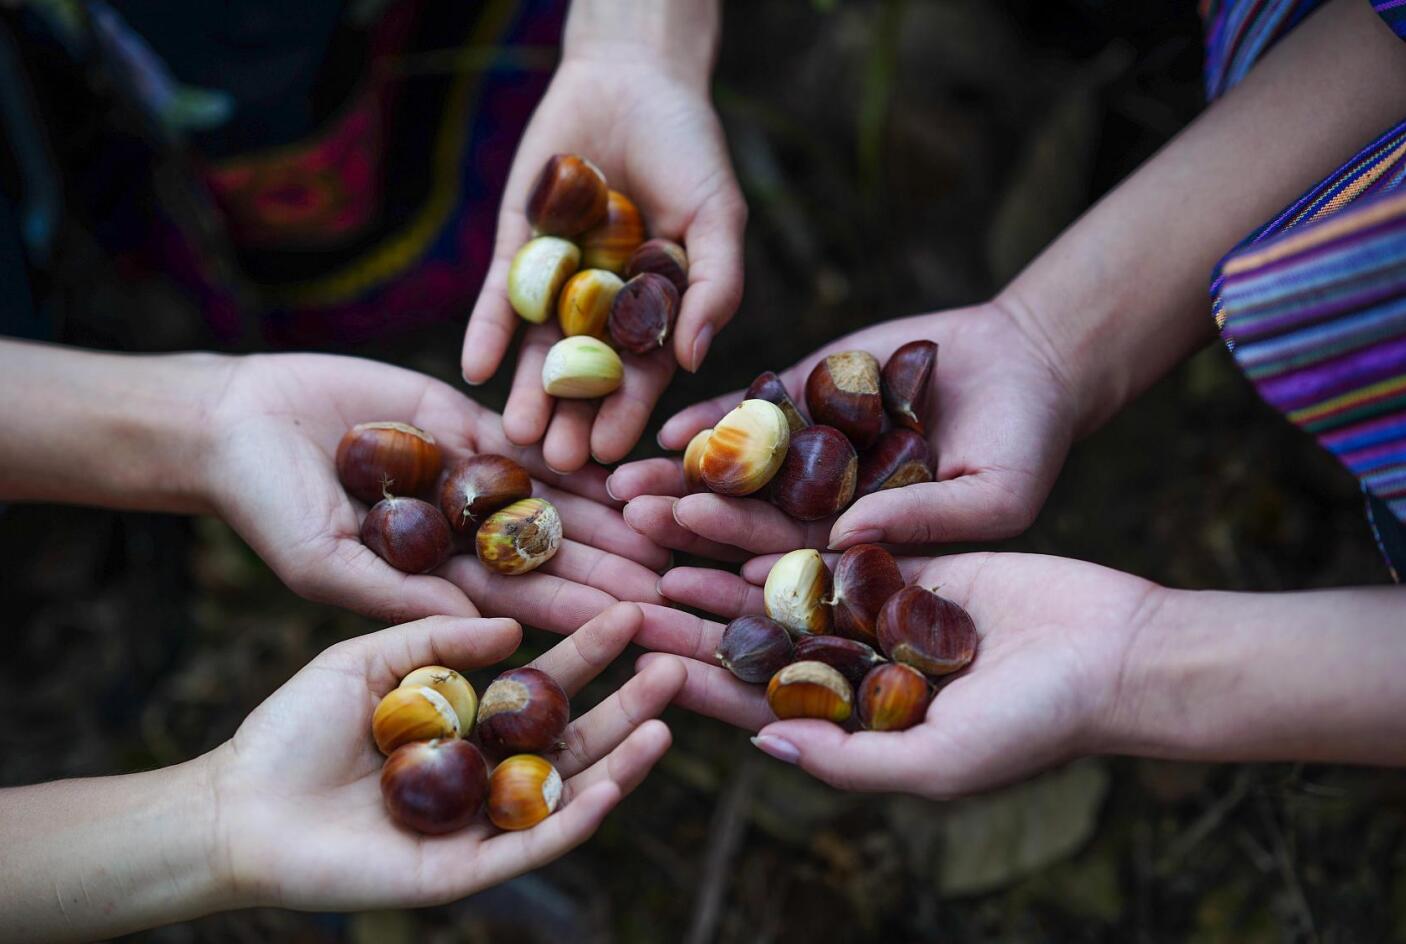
[899, 458]
[522, 791]
[434, 786]
[816, 479]
[583, 307]
[413, 713]
[478, 486]
[409, 534]
[523, 711]
[568, 197]
[610, 243]
[904, 383]
[795, 592]
[843, 391]
[865, 577]
[643, 313]
[745, 449]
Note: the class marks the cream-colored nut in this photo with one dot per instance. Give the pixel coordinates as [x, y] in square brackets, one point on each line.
[539, 270]
[580, 368]
[693, 459]
[795, 593]
[584, 305]
[746, 448]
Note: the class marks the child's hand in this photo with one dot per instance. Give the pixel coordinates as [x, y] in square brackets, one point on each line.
[999, 427]
[301, 822]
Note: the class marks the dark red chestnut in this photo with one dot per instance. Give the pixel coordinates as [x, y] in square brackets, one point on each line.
[662, 257]
[931, 633]
[816, 479]
[850, 657]
[893, 697]
[568, 197]
[375, 458]
[524, 711]
[407, 533]
[643, 313]
[843, 391]
[769, 387]
[478, 486]
[905, 381]
[899, 458]
[435, 786]
[865, 577]
[754, 648]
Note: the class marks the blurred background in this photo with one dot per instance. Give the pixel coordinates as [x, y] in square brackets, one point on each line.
[897, 157]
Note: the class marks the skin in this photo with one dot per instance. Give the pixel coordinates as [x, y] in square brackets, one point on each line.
[1112, 305]
[196, 433]
[636, 102]
[288, 812]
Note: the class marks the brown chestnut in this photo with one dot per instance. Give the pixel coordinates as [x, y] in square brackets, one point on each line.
[568, 197]
[519, 538]
[899, 458]
[478, 486]
[810, 690]
[693, 460]
[893, 697]
[843, 391]
[865, 577]
[795, 592]
[407, 533]
[523, 790]
[928, 632]
[745, 448]
[643, 313]
[523, 711]
[375, 458]
[816, 479]
[663, 257]
[435, 786]
[769, 387]
[754, 648]
[609, 244]
[850, 657]
[905, 380]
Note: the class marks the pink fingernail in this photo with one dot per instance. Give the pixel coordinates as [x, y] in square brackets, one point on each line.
[700, 347]
[609, 491]
[851, 538]
[778, 747]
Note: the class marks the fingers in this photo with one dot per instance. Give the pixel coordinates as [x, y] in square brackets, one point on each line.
[622, 579]
[669, 630]
[679, 429]
[625, 413]
[389, 655]
[714, 241]
[595, 525]
[352, 576]
[751, 524]
[582, 655]
[714, 591]
[567, 446]
[627, 765]
[712, 691]
[538, 599]
[978, 507]
[887, 761]
[653, 517]
[493, 321]
[598, 732]
[529, 408]
[647, 477]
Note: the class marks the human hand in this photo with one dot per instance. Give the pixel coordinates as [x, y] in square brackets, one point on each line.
[1045, 684]
[270, 472]
[999, 426]
[653, 132]
[300, 818]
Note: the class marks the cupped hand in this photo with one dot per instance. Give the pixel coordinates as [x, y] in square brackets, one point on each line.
[657, 139]
[271, 475]
[300, 818]
[1044, 686]
[999, 425]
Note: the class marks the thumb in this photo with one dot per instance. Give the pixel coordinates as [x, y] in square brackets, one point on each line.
[981, 506]
[869, 761]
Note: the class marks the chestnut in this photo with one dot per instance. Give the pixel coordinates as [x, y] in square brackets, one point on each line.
[928, 632]
[643, 313]
[693, 460]
[753, 648]
[523, 711]
[434, 786]
[745, 449]
[893, 697]
[810, 690]
[413, 713]
[407, 533]
[904, 383]
[865, 577]
[661, 256]
[375, 458]
[581, 368]
[769, 387]
[850, 657]
[583, 307]
[609, 244]
[478, 486]
[816, 479]
[537, 274]
[568, 197]
[795, 592]
[523, 790]
[899, 458]
[519, 538]
[454, 688]
[843, 391]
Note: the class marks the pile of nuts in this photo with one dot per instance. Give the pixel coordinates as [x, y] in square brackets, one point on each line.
[816, 647]
[488, 498]
[815, 471]
[436, 781]
[585, 238]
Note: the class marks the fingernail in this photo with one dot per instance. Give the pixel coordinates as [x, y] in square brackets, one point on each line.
[609, 491]
[700, 347]
[851, 538]
[659, 589]
[474, 383]
[674, 510]
[778, 747]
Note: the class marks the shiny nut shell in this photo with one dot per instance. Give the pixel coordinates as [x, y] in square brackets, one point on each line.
[810, 690]
[843, 391]
[899, 458]
[817, 477]
[413, 713]
[769, 387]
[643, 313]
[476, 487]
[584, 304]
[524, 710]
[865, 577]
[568, 197]
[850, 657]
[409, 534]
[893, 697]
[522, 791]
[374, 459]
[931, 633]
[435, 787]
[609, 244]
[453, 687]
[905, 380]
[754, 648]
[663, 257]
[746, 448]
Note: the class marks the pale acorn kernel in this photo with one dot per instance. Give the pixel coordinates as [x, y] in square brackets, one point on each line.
[581, 368]
[794, 593]
[693, 458]
[854, 372]
[815, 673]
[537, 274]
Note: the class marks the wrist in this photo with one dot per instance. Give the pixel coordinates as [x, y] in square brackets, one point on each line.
[678, 39]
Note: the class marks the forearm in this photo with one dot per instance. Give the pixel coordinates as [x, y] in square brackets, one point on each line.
[120, 431]
[1310, 676]
[1121, 296]
[680, 35]
[89, 859]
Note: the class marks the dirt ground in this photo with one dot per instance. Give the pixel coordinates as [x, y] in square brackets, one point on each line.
[897, 157]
